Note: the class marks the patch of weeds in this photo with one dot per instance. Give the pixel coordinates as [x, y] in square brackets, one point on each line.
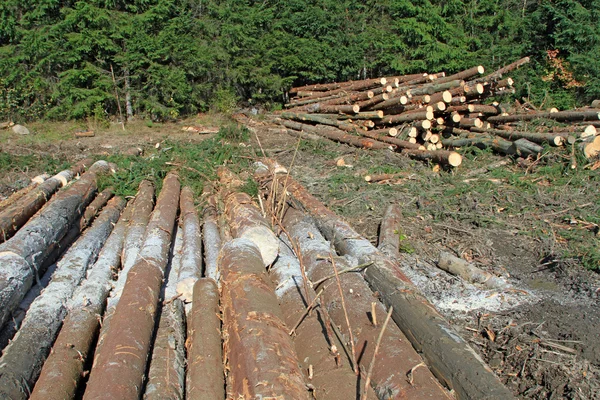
[319, 147]
[403, 244]
[24, 163]
[196, 164]
[250, 187]
[234, 132]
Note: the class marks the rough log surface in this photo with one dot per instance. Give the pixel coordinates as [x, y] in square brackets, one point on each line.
[211, 239]
[191, 258]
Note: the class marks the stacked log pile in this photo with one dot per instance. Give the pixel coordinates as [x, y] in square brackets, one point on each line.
[243, 302]
[427, 116]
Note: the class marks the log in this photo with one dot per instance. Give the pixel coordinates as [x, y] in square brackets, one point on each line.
[63, 369]
[140, 216]
[526, 148]
[450, 358]
[445, 96]
[16, 196]
[436, 87]
[463, 75]
[322, 87]
[407, 117]
[257, 345]
[402, 144]
[85, 134]
[17, 214]
[205, 379]
[389, 231]
[450, 158]
[397, 356]
[310, 341]
[497, 144]
[305, 102]
[394, 101]
[332, 109]
[23, 254]
[166, 375]
[591, 149]
[469, 272]
[132, 325]
[374, 101]
[587, 115]
[211, 239]
[318, 119]
[95, 206]
[44, 317]
[336, 135]
[191, 258]
[536, 137]
[382, 177]
[507, 68]
[470, 123]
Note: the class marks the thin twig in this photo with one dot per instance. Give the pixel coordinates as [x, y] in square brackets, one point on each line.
[351, 336]
[305, 313]
[368, 380]
[349, 269]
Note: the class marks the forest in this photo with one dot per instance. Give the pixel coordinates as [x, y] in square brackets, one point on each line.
[164, 59]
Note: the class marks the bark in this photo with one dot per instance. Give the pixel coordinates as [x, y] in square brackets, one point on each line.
[318, 119]
[406, 117]
[508, 68]
[336, 135]
[591, 149]
[536, 137]
[24, 253]
[259, 352]
[330, 380]
[394, 102]
[397, 356]
[445, 96]
[389, 231]
[166, 375]
[128, 106]
[246, 221]
[402, 144]
[322, 87]
[133, 322]
[63, 369]
[332, 109]
[191, 258]
[205, 379]
[305, 102]
[444, 157]
[587, 115]
[376, 100]
[470, 123]
[44, 317]
[382, 177]
[468, 272]
[526, 148]
[351, 97]
[436, 87]
[463, 75]
[17, 214]
[448, 355]
[211, 239]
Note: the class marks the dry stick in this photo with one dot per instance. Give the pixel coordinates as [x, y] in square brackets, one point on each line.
[350, 269]
[339, 285]
[44, 318]
[63, 369]
[368, 380]
[308, 309]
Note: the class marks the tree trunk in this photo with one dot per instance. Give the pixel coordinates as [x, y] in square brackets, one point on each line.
[310, 341]
[63, 369]
[589, 115]
[16, 196]
[497, 144]
[133, 322]
[450, 158]
[128, 106]
[191, 258]
[397, 356]
[95, 206]
[536, 137]
[257, 345]
[508, 68]
[436, 87]
[526, 148]
[166, 375]
[211, 240]
[336, 135]
[374, 101]
[22, 255]
[463, 75]
[205, 379]
[45, 316]
[449, 356]
[402, 144]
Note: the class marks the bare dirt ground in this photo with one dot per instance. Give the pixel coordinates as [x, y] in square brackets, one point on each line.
[524, 223]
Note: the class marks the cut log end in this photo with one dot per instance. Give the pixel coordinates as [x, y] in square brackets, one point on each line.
[454, 159]
[265, 240]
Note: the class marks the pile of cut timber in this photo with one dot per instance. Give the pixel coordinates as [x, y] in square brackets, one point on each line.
[163, 305]
[427, 115]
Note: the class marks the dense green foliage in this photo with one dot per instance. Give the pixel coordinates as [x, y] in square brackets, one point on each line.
[177, 57]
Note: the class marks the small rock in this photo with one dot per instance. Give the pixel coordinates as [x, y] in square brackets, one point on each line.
[20, 129]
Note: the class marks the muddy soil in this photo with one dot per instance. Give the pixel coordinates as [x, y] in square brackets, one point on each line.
[540, 336]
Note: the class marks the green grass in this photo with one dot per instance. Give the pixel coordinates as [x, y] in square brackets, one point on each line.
[196, 163]
[23, 163]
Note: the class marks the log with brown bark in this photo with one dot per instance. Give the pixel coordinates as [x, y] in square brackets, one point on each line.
[372, 178]
[16, 196]
[451, 359]
[191, 258]
[406, 117]
[260, 354]
[336, 135]
[318, 119]
[63, 370]
[44, 318]
[205, 379]
[401, 144]
[591, 147]
[24, 253]
[443, 157]
[586, 115]
[436, 87]
[467, 138]
[95, 206]
[463, 75]
[133, 322]
[166, 374]
[397, 356]
[536, 137]
[389, 231]
[312, 344]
